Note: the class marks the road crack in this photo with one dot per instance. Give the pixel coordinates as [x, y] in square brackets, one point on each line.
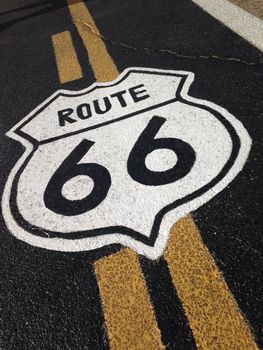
[155, 51]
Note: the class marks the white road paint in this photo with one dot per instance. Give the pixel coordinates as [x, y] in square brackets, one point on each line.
[161, 160]
[240, 21]
[77, 188]
[129, 202]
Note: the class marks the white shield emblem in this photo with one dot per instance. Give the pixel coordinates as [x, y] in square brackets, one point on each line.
[120, 163]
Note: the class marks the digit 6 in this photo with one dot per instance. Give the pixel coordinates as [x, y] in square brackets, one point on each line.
[146, 143]
[70, 168]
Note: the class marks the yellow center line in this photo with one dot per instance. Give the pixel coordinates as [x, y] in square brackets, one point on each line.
[128, 312]
[66, 58]
[213, 313]
[103, 67]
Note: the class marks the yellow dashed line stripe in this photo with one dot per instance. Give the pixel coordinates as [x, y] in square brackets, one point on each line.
[212, 312]
[128, 312]
[102, 64]
[66, 58]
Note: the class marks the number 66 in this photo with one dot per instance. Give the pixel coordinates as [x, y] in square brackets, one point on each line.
[146, 143]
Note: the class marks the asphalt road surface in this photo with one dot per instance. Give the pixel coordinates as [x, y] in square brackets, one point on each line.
[131, 175]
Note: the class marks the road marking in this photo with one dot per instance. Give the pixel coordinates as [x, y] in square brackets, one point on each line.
[129, 315]
[103, 66]
[128, 312]
[101, 145]
[255, 7]
[213, 314]
[240, 21]
[66, 58]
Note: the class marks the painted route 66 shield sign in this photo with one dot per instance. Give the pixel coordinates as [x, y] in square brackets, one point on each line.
[120, 163]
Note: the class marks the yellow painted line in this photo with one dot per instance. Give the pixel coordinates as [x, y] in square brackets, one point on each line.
[212, 312]
[128, 311]
[66, 58]
[103, 66]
